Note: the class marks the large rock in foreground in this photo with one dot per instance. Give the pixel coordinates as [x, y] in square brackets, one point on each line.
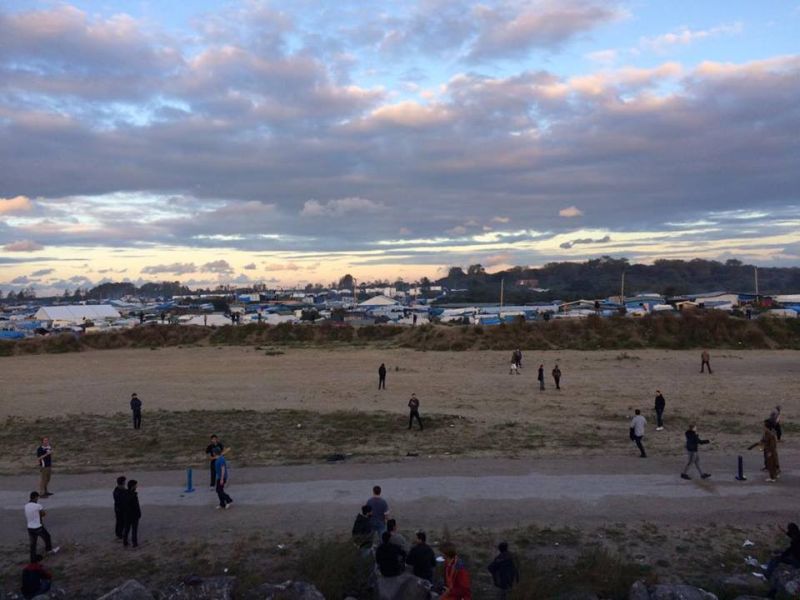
[639, 591]
[786, 583]
[202, 588]
[130, 590]
[288, 590]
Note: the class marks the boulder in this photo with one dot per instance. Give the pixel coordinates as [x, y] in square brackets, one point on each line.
[403, 587]
[202, 588]
[638, 591]
[743, 585]
[786, 583]
[288, 590]
[130, 590]
[679, 592]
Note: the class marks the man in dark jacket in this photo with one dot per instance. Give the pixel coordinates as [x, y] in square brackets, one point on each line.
[540, 377]
[131, 515]
[390, 557]
[36, 580]
[119, 496]
[422, 558]
[136, 408]
[790, 556]
[504, 571]
[362, 528]
[693, 442]
[661, 403]
[413, 407]
[382, 377]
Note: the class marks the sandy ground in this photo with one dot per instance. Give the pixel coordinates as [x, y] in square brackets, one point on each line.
[477, 384]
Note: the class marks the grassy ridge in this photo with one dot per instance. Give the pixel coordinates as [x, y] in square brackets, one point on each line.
[711, 330]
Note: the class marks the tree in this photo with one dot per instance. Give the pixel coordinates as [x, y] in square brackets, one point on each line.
[475, 270]
[346, 282]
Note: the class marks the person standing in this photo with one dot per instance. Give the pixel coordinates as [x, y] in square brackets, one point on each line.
[119, 508]
[557, 376]
[36, 580]
[775, 418]
[382, 377]
[422, 558]
[456, 577]
[380, 508]
[540, 377]
[504, 571]
[223, 475]
[397, 538]
[131, 513]
[705, 361]
[362, 528]
[44, 454]
[34, 515]
[693, 443]
[413, 406]
[638, 423]
[661, 403]
[136, 409]
[219, 447]
[518, 359]
[769, 445]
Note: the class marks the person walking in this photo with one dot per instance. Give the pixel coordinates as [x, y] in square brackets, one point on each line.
[557, 376]
[540, 377]
[705, 361]
[222, 477]
[380, 508]
[119, 508]
[661, 403]
[638, 423]
[215, 447]
[456, 577]
[136, 409]
[421, 558]
[362, 528]
[518, 359]
[44, 454]
[504, 571]
[132, 513]
[382, 377]
[775, 418]
[413, 406]
[34, 515]
[769, 445]
[693, 443]
[514, 366]
[36, 580]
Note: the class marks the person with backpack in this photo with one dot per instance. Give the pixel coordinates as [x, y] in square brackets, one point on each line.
[693, 443]
[504, 571]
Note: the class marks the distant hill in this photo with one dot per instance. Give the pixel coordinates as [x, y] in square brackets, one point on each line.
[601, 277]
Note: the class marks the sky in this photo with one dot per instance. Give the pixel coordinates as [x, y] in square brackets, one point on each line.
[293, 142]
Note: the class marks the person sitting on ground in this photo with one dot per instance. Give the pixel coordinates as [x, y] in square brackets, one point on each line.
[790, 556]
[362, 528]
[504, 571]
[422, 558]
[456, 577]
[397, 539]
[36, 580]
[389, 557]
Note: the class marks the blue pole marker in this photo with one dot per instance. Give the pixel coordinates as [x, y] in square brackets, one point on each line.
[189, 487]
[740, 476]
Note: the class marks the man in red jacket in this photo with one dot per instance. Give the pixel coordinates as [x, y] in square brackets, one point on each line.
[456, 577]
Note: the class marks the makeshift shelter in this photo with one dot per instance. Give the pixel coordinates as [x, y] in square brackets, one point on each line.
[76, 313]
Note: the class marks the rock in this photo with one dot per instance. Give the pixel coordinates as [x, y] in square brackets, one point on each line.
[202, 588]
[288, 590]
[403, 587]
[679, 592]
[739, 585]
[130, 590]
[786, 583]
[638, 591]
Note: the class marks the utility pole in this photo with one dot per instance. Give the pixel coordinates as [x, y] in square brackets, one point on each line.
[755, 271]
[501, 294]
[622, 289]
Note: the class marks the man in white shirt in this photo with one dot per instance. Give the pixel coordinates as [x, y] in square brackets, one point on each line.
[637, 431]
[33, 514]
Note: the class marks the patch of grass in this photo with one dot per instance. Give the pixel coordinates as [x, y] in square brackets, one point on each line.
[338, 568]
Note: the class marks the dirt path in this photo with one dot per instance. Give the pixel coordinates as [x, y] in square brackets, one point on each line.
[422, 493]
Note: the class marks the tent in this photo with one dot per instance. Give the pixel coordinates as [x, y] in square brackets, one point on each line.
[77, 313]
[379, 300]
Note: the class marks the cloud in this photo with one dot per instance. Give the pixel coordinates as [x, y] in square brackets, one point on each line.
[340, 207]
[570, 211]
[685, 36]
[570, 244]
[21, 280]
[42, 272]
[250, 267]
[604, 57]
[23, 246]
[174, 268]
[282, 267]
[500, 219]
[216, 266]
[17, 204]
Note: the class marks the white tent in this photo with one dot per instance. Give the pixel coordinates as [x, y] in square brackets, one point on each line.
[76, 313]
[379, 300]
